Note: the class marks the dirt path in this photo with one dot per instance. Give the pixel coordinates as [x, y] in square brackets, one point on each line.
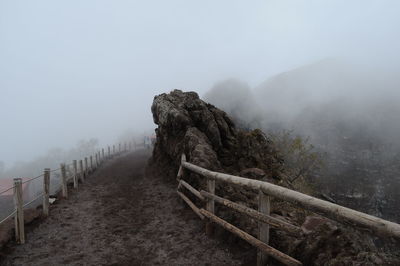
[120, 217]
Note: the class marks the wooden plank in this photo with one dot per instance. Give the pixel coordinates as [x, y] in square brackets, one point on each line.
[276, 223]
[75, 174]
[81, 172]
[86, 167]
[91, 163]
[282, 257]
[210, 205]
[46, 191]
[191, 189]
[19, 216]
[64, 187]
[263, 228]
[180, 173]
[328, 209]
[191, 204]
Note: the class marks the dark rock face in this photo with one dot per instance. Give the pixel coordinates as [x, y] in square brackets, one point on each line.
[207, 136]
[188, 125]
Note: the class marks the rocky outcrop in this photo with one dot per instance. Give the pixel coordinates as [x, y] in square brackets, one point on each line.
[207, 136]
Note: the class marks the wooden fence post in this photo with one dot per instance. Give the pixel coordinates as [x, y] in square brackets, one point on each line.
[264, 206]
[81, 174]
[91, 163]
[67, 168]
[210, 205]
[19, 207]
[46, 191]
[64, 187]
[86, 166]
[181, 171]
[75, 174]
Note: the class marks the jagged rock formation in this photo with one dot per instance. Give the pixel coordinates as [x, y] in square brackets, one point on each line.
[210, 139]
[207, 136]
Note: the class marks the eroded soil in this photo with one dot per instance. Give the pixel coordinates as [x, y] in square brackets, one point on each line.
[120, 216]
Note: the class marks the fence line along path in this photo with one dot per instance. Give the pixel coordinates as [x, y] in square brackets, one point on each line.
[267, 190]
[81, 170]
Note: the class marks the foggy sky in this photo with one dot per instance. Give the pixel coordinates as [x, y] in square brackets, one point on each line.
[71, 70]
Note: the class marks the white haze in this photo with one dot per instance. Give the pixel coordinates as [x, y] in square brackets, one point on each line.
[73, 70]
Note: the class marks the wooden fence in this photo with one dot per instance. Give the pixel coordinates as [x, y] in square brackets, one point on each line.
[262, 215]
[74, 173]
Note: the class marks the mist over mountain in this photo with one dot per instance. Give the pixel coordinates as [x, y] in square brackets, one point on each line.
[349, 112]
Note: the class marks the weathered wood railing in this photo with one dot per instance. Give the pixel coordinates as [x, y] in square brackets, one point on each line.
[266, 190]
[67, 177]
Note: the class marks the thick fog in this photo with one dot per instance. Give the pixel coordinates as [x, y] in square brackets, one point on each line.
[78, 70]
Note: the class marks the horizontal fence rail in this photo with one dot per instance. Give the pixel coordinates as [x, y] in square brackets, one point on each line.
[329, 209]
[262, 215]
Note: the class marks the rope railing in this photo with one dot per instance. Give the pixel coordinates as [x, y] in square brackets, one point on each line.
[55, 170]
[35, 199]
[9, 216]
[33, 178]
[6, 190]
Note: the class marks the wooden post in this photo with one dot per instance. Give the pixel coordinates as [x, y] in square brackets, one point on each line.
[75, 174]
[91, 163]
[102, 154]
[67, 168]
[109, 152]
[19, 207]
[264, 206]
[86, 167]
[181, 171]
[46, 192]
[210, 205]
[64, 182]
[81, 174]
